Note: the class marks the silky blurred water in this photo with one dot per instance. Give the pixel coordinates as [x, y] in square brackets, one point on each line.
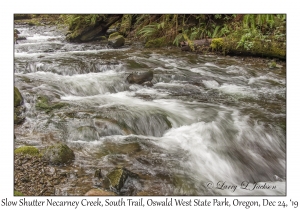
[208, 124]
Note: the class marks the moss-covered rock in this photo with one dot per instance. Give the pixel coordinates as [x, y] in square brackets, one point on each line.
[116, 41]
[159, 42]
[18, 118]
[101, 38]
[27, 150]
[44, 104]
[58, 154]
[272, 64]
[18, 99]
[114, 35]
[18, 108]
[116, 178]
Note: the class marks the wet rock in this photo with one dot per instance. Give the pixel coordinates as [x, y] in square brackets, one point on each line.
[89, 36]
[43, 103]
[21, 38]
[18, 99]
[98, 174]
[58, 154]
[148, 84]
[82, 32]
[116, 41]
[18, 118]
[111, 31]
[16, 31]
[140, 78]
[99, 192]
[116, 178]
[272, 64]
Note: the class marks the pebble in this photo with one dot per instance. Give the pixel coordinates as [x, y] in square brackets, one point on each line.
[34, 177]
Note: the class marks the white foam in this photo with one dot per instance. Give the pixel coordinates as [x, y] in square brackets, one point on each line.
[211, 84]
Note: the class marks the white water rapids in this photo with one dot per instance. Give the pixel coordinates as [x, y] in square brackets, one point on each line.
[210, 125]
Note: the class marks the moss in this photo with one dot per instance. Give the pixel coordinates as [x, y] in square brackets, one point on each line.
[18, 119]
[18, 99]
[272, 64]
[27, 150]
[116, 41]
[34, 23]
[115, 179]
[272, 49]
[159, 42]
[17, 193]
[114, 35]
[101, 38]
[217, 44]
[43, 104]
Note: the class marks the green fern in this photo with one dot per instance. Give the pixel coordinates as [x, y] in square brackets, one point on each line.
[149, 30]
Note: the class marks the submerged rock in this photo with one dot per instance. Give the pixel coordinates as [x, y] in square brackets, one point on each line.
[58, 154]
[142, 78]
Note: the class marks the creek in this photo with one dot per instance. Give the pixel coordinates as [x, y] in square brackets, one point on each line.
[208, 124]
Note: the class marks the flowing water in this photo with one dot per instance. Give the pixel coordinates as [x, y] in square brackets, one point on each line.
[208, 124]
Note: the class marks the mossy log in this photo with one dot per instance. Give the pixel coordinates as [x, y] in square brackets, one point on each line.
[260, 48]
[185, 46]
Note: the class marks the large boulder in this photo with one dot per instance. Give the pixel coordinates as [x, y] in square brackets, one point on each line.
[80, 31]
[58, 154]
[116, 41]
[140, 78]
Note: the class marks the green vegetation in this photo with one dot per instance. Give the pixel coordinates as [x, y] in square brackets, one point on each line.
[17, 97]
[79, 21]
[17, 193]
[43, 104]
[27, 150]
[252, 34]
[217, 44]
